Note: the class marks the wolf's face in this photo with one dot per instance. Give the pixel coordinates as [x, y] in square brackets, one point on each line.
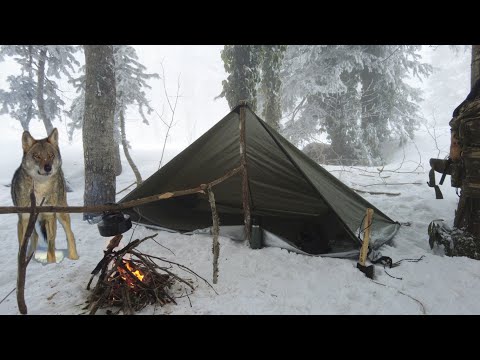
[41, 158]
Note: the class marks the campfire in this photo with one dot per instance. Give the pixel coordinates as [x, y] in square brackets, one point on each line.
[129, 280]
[125, 274]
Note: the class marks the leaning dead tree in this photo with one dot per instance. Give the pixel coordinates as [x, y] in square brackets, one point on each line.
[123, 135]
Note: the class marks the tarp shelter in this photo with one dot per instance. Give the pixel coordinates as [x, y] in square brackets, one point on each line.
[291, 196]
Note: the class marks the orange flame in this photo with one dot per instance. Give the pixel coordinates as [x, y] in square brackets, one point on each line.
[137, 272]
[127, 277]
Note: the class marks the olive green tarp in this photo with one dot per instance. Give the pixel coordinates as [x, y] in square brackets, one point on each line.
[291, 195]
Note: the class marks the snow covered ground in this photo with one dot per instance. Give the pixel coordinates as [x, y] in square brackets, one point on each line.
[270, 280]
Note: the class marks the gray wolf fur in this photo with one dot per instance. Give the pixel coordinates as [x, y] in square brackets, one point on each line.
[41, 169]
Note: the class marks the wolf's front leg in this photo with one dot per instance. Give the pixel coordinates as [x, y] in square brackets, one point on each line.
[51, 229]
[64, 219]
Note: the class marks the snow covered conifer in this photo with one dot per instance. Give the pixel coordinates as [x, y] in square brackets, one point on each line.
[34, 93]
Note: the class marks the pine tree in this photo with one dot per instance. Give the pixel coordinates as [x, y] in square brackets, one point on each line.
[241, 62]
[389, 105]
[34, 93]
[368, 80]
[319, 95]
[270, 85]
[254, 75]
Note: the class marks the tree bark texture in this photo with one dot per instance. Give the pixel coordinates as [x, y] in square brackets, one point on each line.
[475, 75]
[98, 127]
[118, 160]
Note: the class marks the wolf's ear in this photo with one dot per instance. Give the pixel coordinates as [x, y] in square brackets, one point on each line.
[27, 141]
[53, 137]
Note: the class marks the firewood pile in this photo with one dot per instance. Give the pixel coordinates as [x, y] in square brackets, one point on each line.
[129, 280]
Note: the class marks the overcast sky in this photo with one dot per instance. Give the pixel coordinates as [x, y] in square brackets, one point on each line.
[198, 69]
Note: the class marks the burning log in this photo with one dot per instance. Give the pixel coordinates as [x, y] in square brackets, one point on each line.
[130, 280]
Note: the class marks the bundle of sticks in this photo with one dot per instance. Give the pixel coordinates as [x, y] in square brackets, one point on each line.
[129, 280]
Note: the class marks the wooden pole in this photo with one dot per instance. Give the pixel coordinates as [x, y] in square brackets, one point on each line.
[243, 163]
[215, 232]
[22, 256]
[127, 205]
[366, 237]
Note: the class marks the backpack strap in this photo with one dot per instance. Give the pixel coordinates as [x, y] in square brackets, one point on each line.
[445, 171]
[431, 183]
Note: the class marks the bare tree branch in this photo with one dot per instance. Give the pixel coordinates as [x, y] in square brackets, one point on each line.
[172, 109]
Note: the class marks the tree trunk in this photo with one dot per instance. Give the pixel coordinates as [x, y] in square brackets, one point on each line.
[271, 84]
[118, 160]
[369, 113]
[467, 215]
[98, 140]
[370, 103]
[339, 127]
[272, 112]
[475, 64]
[125, 149]
[243, 75]
[342, 152]
[41, 90]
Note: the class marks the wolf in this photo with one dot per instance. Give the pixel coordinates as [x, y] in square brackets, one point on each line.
[41, 169]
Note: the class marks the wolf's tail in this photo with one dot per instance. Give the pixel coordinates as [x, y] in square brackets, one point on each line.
[41, 230]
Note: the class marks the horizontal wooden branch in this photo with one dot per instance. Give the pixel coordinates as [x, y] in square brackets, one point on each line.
[376, 192]
[384, 170]
[374, 176]
[127, 205]
[393, 184]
